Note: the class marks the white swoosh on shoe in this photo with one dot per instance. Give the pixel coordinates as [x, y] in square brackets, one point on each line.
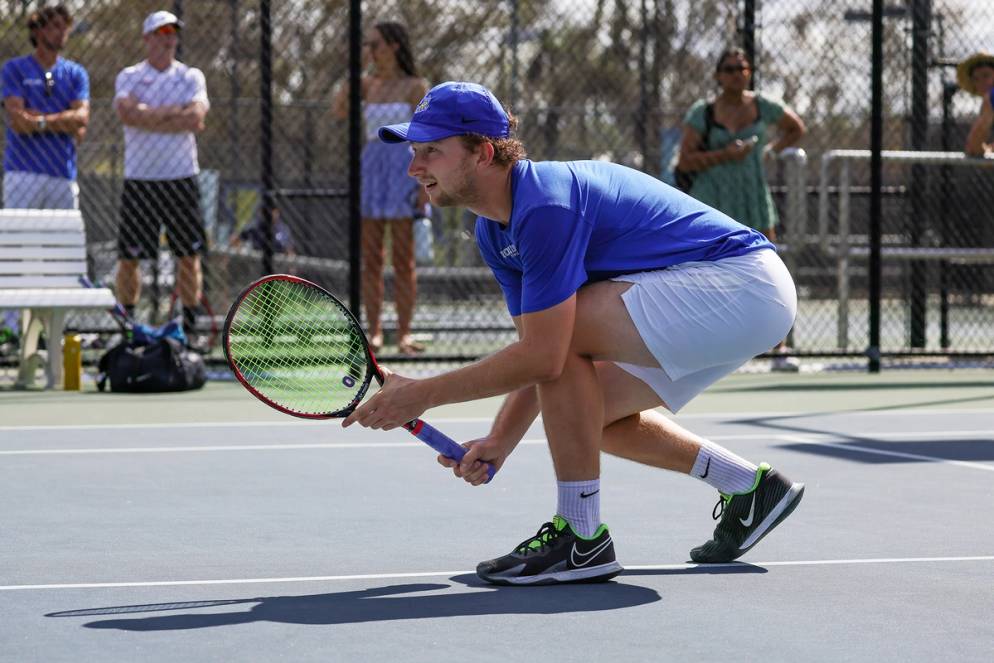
[587, 556]
[746, 522]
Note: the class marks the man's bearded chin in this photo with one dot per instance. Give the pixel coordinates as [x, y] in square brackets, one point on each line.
[52, 46]
[462, 197]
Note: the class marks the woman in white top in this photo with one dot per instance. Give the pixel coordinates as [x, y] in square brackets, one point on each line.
[390, 91]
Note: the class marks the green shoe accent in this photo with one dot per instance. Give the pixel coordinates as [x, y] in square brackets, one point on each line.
[600, 530]
[559, 523]
[760, 471]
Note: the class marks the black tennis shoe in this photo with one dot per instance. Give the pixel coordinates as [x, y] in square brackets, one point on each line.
[556, 554]
[748, 517]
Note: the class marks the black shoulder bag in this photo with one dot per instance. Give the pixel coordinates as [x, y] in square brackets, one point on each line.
[684, 178]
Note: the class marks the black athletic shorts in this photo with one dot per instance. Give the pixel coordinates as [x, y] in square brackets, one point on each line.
[149, 205]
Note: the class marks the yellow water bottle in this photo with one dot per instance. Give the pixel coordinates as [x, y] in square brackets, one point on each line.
[72, 362]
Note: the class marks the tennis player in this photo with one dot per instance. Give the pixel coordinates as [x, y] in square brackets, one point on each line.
[627, 295]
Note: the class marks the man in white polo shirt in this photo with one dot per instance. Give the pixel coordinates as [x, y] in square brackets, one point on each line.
[162, 104]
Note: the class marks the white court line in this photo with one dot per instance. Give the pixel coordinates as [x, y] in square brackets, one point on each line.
[886, 412]
[432, 574]
[824, 439]
[218, 424]
[478, 420]
[279, 447]
[412, 443]
[849, 446]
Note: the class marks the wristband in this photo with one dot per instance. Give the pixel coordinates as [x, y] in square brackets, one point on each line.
[42, 124]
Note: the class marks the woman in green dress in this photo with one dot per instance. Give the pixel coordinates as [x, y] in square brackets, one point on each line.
[723, 145]
[728, 161]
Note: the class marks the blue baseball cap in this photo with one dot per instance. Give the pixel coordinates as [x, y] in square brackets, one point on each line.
[451, 109]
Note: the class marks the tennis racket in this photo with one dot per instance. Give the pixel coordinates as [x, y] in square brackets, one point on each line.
[298, 349]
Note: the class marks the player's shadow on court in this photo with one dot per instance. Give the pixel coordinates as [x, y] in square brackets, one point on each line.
[380, 604]
[917, 451]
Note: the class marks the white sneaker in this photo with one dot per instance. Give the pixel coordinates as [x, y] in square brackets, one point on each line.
[785, 364]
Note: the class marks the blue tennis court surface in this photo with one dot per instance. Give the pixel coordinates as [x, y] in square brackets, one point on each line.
[205, 527]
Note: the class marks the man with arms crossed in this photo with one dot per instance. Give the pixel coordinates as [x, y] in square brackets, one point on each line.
[46, 99]
[627, 295]
[162, 104]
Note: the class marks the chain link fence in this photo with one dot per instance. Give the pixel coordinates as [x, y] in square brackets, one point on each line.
[937, 243]
[587, 79]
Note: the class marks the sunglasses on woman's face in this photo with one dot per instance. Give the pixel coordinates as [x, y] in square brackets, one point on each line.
[169, 29]
[733, 68]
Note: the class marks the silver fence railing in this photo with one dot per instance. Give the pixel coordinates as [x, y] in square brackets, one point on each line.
[843, 246]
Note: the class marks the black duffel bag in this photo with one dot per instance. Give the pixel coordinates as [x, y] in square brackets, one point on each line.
[164, 364]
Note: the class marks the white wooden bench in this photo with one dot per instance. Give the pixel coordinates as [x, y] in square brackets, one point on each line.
[42, 256]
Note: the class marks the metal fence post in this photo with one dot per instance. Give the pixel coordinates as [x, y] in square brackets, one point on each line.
[876, 182]
[749, 37]
[355, 152]
[266, 131]
[921, 20]
[842, 267]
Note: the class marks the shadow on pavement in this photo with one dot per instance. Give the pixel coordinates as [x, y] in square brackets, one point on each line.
[380, 604]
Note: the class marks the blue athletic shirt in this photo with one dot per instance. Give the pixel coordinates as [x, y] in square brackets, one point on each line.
[47, 153]
[580, 222]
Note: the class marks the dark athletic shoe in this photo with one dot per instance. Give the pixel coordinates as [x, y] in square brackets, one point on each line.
[748, 517]
[556, 554]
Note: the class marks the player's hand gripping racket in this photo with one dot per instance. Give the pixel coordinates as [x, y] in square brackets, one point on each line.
[298, 349]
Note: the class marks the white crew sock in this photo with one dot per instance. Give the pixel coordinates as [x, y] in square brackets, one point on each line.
[720, 468]
[580, 504]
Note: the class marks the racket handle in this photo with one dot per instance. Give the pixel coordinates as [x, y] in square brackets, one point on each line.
[441, 443]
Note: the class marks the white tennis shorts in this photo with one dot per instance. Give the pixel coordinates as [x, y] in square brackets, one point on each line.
[703, 320]
[23, 190]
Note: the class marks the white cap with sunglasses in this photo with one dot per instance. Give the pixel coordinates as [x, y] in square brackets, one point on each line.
[156, 20]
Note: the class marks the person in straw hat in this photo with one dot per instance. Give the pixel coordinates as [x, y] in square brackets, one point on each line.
[976, 76]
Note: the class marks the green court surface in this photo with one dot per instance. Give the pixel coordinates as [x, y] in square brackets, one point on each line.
[227, 401]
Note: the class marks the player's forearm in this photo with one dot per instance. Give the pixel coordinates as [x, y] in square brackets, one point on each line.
[518, 365]
[515, 416]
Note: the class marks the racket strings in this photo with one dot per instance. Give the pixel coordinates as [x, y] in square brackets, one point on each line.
[298, 347]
